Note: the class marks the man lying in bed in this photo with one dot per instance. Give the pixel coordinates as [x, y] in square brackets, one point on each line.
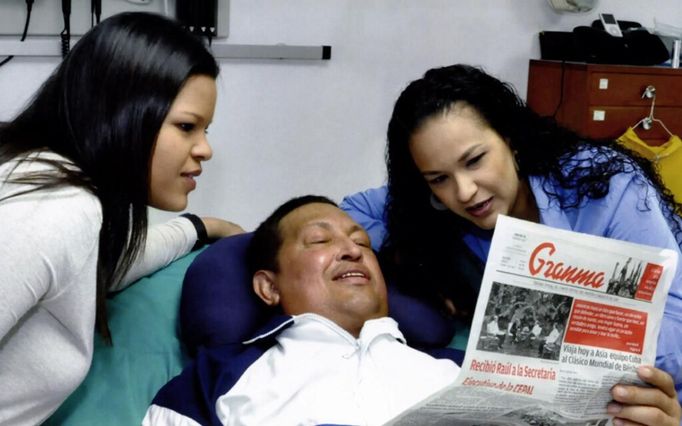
[333, 356]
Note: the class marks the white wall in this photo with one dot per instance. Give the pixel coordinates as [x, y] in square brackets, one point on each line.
[286, 128]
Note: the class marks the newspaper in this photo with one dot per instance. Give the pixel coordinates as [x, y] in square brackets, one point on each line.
[561, 317]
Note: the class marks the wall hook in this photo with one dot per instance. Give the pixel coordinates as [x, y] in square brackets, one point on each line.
[649, 92]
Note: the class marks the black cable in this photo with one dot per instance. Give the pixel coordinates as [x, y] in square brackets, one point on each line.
[211, 19]
[29, 8]
[66, 32]
[95, 12]
[182, 10]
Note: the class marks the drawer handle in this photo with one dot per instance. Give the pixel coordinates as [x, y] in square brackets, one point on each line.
[649, 92]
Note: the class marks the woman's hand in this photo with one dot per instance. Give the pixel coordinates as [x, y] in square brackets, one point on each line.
[654, 406]
[219, 228]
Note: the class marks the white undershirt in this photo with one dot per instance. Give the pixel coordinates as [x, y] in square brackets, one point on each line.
[319, 373]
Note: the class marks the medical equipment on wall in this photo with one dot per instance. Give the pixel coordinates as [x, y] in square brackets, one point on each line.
[208, 18]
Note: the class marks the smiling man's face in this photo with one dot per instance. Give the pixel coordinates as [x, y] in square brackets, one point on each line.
[327, 267]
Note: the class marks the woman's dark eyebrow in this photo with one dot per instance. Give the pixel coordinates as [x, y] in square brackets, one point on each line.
[467, 153]
[462, 158]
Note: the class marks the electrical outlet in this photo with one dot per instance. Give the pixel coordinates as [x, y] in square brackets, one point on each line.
[47, 20]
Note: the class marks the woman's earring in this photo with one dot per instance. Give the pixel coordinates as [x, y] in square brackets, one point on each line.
[436, 204]
[515, 157]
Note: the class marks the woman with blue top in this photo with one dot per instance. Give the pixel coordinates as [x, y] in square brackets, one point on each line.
[464, 148]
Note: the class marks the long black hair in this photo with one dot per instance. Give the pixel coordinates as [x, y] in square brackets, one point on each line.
[424, 245]
[102, 110]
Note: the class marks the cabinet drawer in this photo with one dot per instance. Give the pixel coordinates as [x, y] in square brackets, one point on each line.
[626, 89]
[611, 122]
[574, 92]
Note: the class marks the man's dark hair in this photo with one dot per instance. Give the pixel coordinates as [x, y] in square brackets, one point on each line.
[267, 239]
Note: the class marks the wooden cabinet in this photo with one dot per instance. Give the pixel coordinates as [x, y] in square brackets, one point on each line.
[602, 101]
